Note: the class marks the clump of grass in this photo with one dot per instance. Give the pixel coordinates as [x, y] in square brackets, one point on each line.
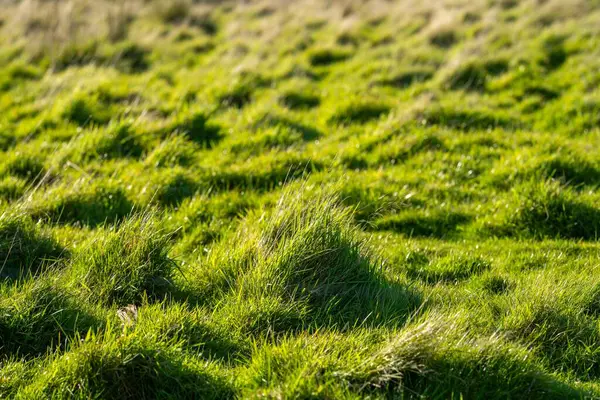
[274, 173]
[205, 23]
[84, 109]
[126, 264]
[435, 358]
[75, 54]
[592, 306]
[129, 58]
[307, 265]
[470, 76]
[548, 210]
[26, 166]
[192, 328]
[496, 66]
[438, 358]
[173, 151]
[172, 12]
[571, 172]
[17, 74]
[348, 39]
[119, 140]
[12, 188]
[116, 140]
[560, 334]
[6, 141]
[175, 189]
[24, 248]
[131, 367]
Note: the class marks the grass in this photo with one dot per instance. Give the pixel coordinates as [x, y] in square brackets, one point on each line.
[339, 200]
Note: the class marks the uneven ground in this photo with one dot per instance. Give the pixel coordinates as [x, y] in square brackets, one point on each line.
[326, 199]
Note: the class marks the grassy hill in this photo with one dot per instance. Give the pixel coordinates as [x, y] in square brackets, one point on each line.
[333, 199]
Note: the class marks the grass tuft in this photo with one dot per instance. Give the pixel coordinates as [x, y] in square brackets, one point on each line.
[552, 211]
[308, 266]
[126, 265]
[470, 76]
[129, 367]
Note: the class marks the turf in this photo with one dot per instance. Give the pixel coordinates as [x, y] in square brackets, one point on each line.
[334, 200]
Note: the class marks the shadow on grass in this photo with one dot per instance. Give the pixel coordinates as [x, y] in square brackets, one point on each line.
[24, 251]
[91, 207]
[39, 318]
[438, 225]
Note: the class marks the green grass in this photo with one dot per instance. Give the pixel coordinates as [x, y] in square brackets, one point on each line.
[337, 200]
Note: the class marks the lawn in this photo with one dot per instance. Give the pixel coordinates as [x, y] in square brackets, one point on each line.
[317, 199]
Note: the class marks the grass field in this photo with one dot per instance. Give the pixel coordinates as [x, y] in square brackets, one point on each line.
[332, 199]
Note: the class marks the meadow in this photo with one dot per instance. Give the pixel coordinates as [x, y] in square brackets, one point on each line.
[308, 199]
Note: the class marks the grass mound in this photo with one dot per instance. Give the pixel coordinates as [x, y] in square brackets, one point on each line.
[12, 188]
[238, 97]
[116, 140]
[175, 189]
[84, 110]
[430, 361]
[129, 367]
[307, 266]
[471, 76]
[552, 211]
[571, 172]
[192, 328]
[24, 166]
[173, 151]
[435, 359]
[497, 284]
[126, 265]
[558, 335]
